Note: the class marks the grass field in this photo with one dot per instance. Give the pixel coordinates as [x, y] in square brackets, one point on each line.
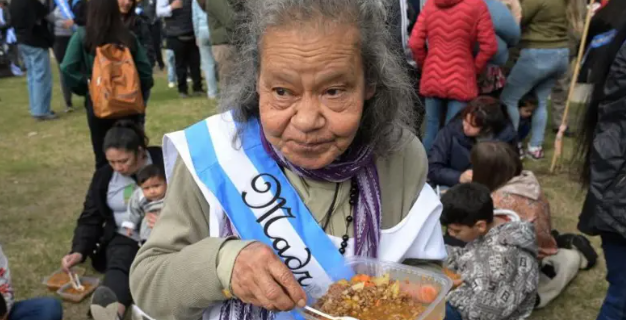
[45, 169]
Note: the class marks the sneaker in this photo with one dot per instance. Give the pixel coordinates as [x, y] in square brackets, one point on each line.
[104, 305]
[68, 109]
[535, 153]
[171, 85]
[49, 116]
[183, 95]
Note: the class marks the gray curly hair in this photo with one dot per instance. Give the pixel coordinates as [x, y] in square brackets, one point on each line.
[385, 115]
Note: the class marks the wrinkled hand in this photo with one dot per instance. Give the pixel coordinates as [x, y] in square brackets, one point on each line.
[71, 260]
[177, 4]
[262, 279]
[467, 176]
[67, 24]
[152, 219]
[129, 232]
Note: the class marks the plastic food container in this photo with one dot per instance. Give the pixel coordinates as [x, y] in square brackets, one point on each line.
[414, 275]
[67, 292]
[59, 278]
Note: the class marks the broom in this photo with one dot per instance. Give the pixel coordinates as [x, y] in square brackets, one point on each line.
[558, 142]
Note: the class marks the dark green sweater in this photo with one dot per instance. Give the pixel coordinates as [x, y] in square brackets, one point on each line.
[78, 64]
[544, 24]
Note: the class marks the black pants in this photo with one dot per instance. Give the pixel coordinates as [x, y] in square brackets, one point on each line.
[98, 129]
[59, 47]
[120, 253]
[157, 41]
[187, 56]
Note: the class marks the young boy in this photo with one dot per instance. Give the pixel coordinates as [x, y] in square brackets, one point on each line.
[498, 265]
[146, 200]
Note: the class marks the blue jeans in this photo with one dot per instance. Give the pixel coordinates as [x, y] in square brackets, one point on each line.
[452, 313]
[208, 64]
[434, 108]
[37, 309]
[37, 62]
[538, 70]
[171, 66]
[614, 306]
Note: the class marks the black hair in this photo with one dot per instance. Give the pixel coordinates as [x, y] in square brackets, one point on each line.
[487, 113]
[149, 172]
[601, 67]
[495, 163]
[126, 135]
[105, 26]
[466, 204]
[131, 17]
[529, 98]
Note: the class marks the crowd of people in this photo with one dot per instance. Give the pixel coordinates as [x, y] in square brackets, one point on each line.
[315, 156]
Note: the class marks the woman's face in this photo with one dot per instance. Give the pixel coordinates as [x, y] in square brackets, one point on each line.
[123, 161]
[469, 128]
[312, 90]
[125, 5]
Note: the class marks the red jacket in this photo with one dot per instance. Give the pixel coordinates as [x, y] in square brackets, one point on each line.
[452, 28]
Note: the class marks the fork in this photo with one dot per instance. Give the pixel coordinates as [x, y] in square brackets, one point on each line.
[322, 314]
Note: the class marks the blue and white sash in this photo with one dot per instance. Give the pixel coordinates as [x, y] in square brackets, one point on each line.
[66, 10]
[239, 180]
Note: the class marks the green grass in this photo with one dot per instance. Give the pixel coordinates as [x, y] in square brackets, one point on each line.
[45, 169]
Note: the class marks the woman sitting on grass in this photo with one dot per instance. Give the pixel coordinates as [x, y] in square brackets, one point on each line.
[449, 159]
[99, 233]
[497, 166]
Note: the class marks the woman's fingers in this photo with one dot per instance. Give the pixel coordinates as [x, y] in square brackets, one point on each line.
[283, 276]
[272, 294]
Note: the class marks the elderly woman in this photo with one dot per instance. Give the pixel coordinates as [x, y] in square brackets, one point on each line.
[312, 163]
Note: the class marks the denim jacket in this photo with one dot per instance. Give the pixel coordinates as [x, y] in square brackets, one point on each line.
[200, 22]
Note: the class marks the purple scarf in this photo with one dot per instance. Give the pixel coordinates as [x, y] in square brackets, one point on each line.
[359, 165]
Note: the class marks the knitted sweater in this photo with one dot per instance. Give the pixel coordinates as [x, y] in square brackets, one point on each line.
[451, 28]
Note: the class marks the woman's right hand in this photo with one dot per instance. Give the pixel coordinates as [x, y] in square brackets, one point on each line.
[467, 176]
[71, 260]
[260, 278]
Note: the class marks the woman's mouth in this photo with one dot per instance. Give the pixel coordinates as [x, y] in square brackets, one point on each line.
[309, 147]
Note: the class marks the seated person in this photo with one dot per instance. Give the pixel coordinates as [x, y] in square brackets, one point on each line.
[37, 308]
[146, 202]
[482, 120]
[497, 167]
[498, 265]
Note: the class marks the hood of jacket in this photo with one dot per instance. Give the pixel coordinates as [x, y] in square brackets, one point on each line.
[518, 234]
[446, 3]
[525, 185]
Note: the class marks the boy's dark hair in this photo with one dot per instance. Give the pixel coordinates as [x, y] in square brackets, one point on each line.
[150, 171]
[529, 98]
[487, 113]
[466, 204]
[495, 163]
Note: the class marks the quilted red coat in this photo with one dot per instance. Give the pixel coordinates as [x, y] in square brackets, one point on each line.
[452, 28]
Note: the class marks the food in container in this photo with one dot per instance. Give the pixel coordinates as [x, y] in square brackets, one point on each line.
[383, 291]
[60, 278]
[69, 293]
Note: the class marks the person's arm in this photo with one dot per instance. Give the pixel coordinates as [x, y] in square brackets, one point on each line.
[163, 9]
[417, 42]
[144, 68]
[486, 36]
[439, 171]
[73, 65]
[89, 226]
[6, 289]
[135, 214]
[180, 270]
[221, 11]
[196, 12]
[530, 8]
[454, 253]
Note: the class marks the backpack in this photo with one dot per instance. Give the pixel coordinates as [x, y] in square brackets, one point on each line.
[115, 88]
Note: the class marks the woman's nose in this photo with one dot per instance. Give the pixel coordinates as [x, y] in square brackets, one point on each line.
[308, 116]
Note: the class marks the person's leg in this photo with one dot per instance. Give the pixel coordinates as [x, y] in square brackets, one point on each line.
[155, 30]
[121, 252]
[42, 75]
[59, 48]
[614, 306]
[193, 54]
[37, 309]
[181, 65]
[208, 66]
[27, 56]
[452, 313]
[523, 77]
[433, 111]
[557, 61]
[454, 107]
[171, 66]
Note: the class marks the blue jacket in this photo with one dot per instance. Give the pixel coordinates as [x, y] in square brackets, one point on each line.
[200, 22]
[508, 32]
[449, 156]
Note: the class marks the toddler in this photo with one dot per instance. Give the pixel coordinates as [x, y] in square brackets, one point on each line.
[527, 106]
[145, 200]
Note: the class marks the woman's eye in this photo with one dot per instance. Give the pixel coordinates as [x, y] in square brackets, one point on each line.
[282, 92]
[334, 92]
